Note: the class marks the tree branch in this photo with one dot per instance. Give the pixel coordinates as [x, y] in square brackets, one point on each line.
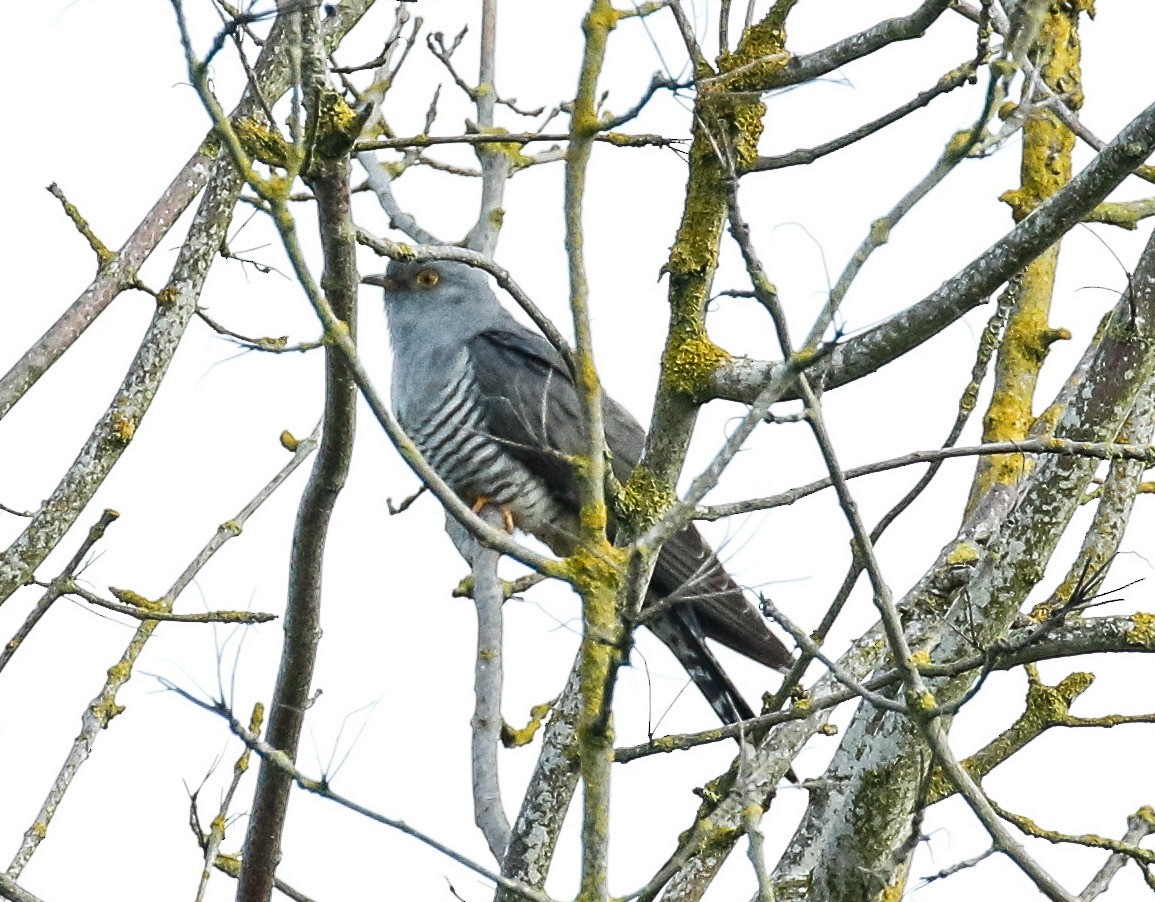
[486, 724]
[103, 708]
[329, 179]
[741, 379]
[271, 74]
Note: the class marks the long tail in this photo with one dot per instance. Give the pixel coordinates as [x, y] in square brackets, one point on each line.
[680, 630]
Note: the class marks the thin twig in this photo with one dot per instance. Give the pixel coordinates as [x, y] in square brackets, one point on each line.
[279, 345]
[1099, 450]
[211, 844]
[140, 608]
[103, 708]
[804, 156]
[276, 758]
[959, 866]
[1139, 826]
[55, 589]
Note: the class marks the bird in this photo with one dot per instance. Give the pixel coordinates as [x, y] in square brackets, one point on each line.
[493, 408]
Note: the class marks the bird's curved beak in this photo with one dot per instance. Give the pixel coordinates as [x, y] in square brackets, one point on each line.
[380, 280]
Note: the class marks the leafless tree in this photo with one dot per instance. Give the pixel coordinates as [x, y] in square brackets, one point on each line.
[314, 134]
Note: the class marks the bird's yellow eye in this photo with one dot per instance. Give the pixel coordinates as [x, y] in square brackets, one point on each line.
[427, 278]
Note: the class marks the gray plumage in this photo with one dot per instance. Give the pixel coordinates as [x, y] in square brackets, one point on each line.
[495, 411]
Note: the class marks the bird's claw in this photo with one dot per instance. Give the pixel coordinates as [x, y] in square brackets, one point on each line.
[506, 516]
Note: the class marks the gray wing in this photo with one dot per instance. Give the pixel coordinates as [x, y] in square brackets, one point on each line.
[533, 408]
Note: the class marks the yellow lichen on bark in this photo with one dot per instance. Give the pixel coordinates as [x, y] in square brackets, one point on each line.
[727, 127]
[1046, 707]
[337, 126]
[596, 574]
[642, 501]
[1143, 631]
[263, 143]
[1045, 168]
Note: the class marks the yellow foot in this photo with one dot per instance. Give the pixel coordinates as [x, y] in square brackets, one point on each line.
[506, 516]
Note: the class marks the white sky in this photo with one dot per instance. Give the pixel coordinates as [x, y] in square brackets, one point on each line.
[98, 102]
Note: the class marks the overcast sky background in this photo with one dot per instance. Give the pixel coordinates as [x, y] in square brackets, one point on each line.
[98, 102]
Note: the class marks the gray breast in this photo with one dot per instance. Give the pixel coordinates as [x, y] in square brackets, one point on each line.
[450, 430]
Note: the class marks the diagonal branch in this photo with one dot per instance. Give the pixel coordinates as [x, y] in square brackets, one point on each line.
[103, 708]
[271, 80]
[741, 379]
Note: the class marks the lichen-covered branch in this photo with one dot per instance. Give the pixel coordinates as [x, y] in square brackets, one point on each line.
[496, 163]
[1139, 826]
[14, 892]
[270, 77]
[875, 774]
[548, 795]
[719, 822]
[1045, 169]
[104, 707]
[596, 578]
[740, 379]
[1116, 499]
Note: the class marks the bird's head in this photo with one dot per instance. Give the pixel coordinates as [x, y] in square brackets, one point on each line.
[439, 282]
[437, 298]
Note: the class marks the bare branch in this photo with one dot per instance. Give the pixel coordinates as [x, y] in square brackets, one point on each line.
[329, 180]
[741, 379]
[615, 138]
[55, 589]
[103, 708]
[957, 77]
[1139, 826]
[276, 758]
[486, 723]
[14, 892]
[1140, 455]
[756, 77]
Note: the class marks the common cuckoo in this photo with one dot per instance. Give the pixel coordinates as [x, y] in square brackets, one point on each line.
[492, 406]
